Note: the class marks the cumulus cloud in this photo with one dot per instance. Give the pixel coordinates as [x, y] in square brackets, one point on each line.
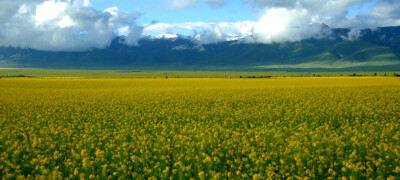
[280, 24]
[353, 34]
[9, 8]
[288, 20]
[335, 12]
[275, 25]
[180, 4]
[134, 35]
[69, 25]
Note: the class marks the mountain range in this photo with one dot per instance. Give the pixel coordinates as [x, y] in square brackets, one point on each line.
[373, 49]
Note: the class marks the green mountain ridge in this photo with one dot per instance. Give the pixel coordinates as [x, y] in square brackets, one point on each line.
[374, 49]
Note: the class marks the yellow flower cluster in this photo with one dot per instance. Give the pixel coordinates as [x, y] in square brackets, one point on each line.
[278, 128]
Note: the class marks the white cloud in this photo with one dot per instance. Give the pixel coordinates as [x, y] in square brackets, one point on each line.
[49, 10]
[66, 21]
[288, 20]
[275, 25]
[69, 25]
[335, 12]
[213, 35]
[134, 35]
[123, 30]
[274, 21]
[8, 8]
[112, 10]
[353, 34]
[281, 24]
[180, 4]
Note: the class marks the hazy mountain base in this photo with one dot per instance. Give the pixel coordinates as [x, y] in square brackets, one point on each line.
[65, 73]
[331, 64]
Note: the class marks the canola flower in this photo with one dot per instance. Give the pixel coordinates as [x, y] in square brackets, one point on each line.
[283, 128]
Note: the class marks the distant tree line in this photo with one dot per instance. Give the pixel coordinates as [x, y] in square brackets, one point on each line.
[16, 76]
[375, 74]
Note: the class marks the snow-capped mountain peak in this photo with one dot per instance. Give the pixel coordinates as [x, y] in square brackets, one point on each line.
[167, 36]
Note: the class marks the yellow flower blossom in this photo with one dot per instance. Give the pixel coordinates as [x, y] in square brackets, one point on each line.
[210, 128]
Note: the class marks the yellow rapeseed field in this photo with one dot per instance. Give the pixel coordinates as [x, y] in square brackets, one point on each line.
[277, 128]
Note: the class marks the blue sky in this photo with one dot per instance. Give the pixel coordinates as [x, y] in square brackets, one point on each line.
[161, 11]
[361, 8]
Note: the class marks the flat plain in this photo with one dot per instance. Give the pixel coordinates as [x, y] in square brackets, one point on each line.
[201, 128]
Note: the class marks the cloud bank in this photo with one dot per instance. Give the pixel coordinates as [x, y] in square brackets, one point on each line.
[288, 20]
[70, 25]
[275, 25]
[74, 25]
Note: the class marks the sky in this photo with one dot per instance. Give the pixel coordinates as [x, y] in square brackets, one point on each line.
[80, 25]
